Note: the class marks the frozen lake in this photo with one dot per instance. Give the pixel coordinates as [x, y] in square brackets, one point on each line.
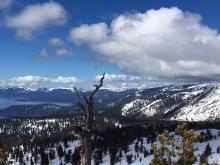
[4, 103]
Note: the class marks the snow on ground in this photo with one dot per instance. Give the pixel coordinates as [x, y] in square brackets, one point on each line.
[205, 109]
[213, 158]
[133, 106]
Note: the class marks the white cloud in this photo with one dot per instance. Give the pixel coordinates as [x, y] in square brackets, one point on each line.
[35, 17]
[164, 43]
[23, 81]
[43, 54]
[89, 33]
[5, 3]
[31, 81]
[119, 77]
[66, 80]
[61, 52]
[55, 41]
[124, 81]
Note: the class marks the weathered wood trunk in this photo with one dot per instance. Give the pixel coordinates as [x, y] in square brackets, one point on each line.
[85, 134]
[86, 153]
[86, 140]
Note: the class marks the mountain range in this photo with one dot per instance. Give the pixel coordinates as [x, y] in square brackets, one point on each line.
[191, 102]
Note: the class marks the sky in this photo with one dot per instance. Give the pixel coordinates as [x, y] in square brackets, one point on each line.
[144, 43]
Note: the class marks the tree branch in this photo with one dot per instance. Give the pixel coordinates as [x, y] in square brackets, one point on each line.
[86, 100]
[97, 87]
[79, 102]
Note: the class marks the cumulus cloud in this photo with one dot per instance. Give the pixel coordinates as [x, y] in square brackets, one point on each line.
[5, 3]
[54, 41]
[31, 81]
[119, 77]
[124, 81]
[23, 81]
[61, 52]
[66, 80]
[35, 17]
[167, 42]
[89, 33]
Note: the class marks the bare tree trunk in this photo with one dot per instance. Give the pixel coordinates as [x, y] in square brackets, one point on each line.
[85, 129]
[86, 141]
[86, 152]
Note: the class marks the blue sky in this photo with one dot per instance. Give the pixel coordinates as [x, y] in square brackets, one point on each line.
[66, 43]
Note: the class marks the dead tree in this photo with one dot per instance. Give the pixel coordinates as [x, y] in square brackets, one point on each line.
[83, 130]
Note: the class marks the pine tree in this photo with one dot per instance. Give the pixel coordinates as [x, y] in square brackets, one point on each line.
[97, 156]
[205, 155]
[136, 147]
[145, 152]
[208, 149]
[76, 157]
[203, 159]
[60, 151]
[32, 162]
[157, 156]
[163, 154]
[21, 157]
[3, 156]
[186, 148]
[65, 143]
[129, 158]
[218, 150]
[112, 152]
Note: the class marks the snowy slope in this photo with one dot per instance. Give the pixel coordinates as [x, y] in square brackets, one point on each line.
[192, 103]
[208, 108]
[200, 147]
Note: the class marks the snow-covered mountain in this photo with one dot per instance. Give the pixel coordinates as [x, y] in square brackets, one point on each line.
[188, 102]
[192, 102]
[207, 107]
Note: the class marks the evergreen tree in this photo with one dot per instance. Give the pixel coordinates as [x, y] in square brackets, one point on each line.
[144, 152]
[163, 154]
[203, 159]
[136, 147]
[129, 158]
[113, 153]
[60, 151]
[52, 154]
[157, 156]
[76, 157]
[3, 156]
[186, 149]
[208, 149]
[209, 134]
[97, 156]
[205, 155]
[21, 156]
[44, 158]
[65, 143]
[218, 150]
[32, 162]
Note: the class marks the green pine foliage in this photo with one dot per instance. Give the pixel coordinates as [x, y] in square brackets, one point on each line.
[186, 148]
[163, 154]
[3, 156]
